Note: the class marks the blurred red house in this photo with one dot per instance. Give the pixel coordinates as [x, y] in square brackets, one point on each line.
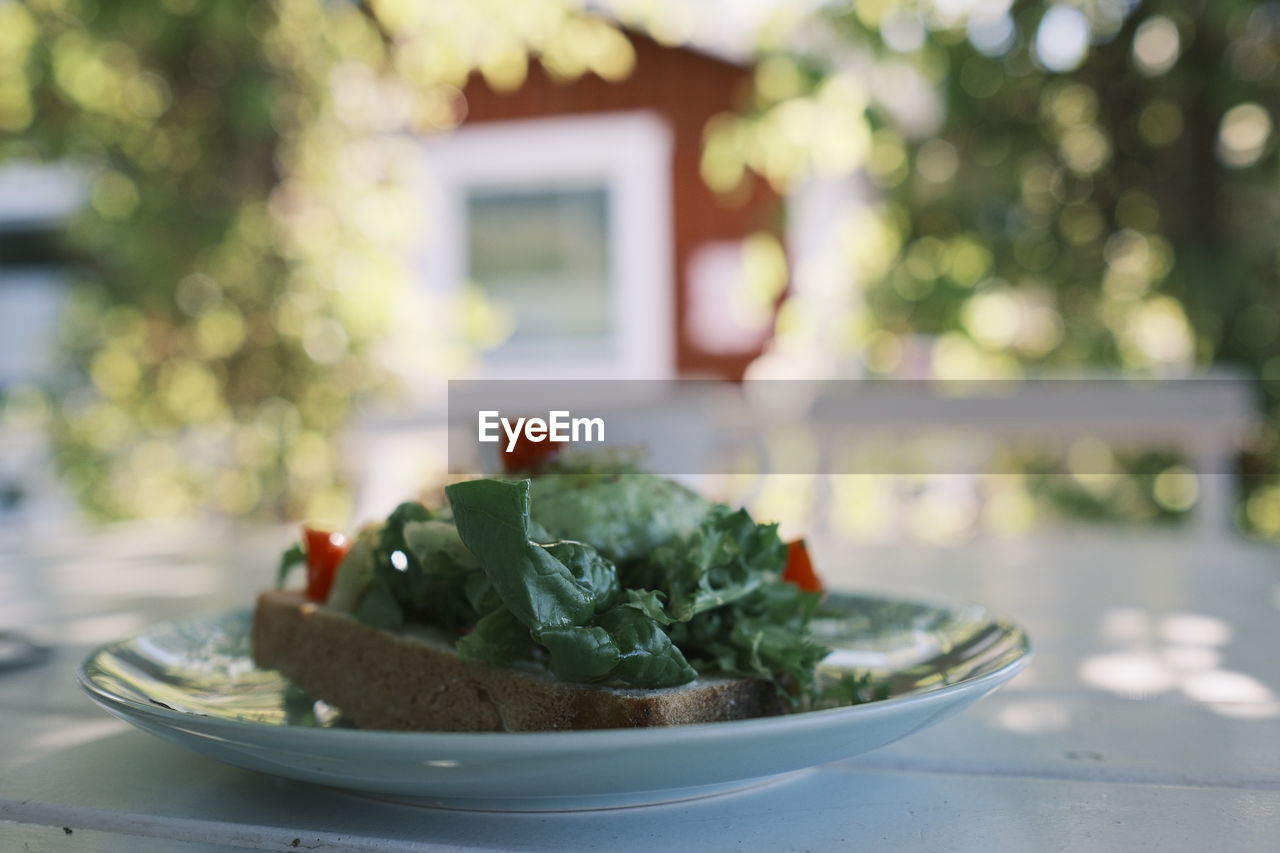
[579, 209]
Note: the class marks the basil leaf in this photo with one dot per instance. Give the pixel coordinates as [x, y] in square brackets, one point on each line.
[596, 575]
[498, 639]
[647, 657]
[493, 521]
[479, 592]
[580, 653]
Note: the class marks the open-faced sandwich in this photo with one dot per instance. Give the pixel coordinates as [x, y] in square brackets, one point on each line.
[571, 600]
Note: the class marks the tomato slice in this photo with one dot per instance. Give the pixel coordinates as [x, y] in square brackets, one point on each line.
[799, 570]
[325, 551]
[528, 455]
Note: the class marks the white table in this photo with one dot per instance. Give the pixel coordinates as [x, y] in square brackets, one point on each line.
[1150, 718]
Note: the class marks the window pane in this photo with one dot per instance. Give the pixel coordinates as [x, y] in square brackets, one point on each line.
[544, 256]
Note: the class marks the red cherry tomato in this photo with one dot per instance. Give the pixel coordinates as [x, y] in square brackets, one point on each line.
[325, 551]
[527, 455]
[799, 570]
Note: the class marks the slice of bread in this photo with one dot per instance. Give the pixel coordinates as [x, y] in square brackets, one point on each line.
[415, 681]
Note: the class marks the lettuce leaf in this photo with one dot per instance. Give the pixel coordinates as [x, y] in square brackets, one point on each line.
[566, 594]
[379, 608]
[581, 653]
[623, 516]
[499, 639]
[699, 590]
[647, 657]
[414, 568]
[650, 603]
[396, 581]
[493, 521]
[725, 558]
[596, 575]
[763, 634]
[450, 588]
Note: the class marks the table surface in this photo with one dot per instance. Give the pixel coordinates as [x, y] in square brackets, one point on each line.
[1149, 719]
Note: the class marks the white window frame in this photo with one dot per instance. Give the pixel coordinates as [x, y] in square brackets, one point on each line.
[629, 153]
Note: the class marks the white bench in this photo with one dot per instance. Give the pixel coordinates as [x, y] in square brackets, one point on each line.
[1204, 419]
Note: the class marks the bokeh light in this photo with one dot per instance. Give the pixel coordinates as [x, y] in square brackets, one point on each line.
[1156, 45]
[1062, 38]
[1243, 136]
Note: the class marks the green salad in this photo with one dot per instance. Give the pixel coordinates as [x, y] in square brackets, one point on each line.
[624, 579]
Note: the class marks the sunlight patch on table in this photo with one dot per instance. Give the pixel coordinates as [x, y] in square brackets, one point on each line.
[1233, 694]
[1177, 651]
[1034, 717]
[1136, 674]
[1194, 629]
[1191, 658]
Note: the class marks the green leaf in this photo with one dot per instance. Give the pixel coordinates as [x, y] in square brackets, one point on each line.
[580, 653]
[479, 592]
[289, 560]
[782, 604]
[714, 591]
[403, 581]
[726, 558]
[763, 635]
[445, 584]
[437, 543]
[647, 657]
[596, 575]
[498, 639]
[623, 516]
[379, 608]
[493, 521]
[649, 602]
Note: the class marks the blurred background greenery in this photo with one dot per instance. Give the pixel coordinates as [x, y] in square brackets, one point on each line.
[248, 224]
[1082, 184]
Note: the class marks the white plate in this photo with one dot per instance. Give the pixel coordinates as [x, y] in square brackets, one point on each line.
[192, 682]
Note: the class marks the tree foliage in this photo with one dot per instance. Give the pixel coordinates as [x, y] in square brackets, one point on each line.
[1059, 185]
[251, 222]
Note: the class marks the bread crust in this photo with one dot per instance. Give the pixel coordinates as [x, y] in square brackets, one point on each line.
[414, 681]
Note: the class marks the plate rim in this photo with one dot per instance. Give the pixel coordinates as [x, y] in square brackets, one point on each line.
[804, 720]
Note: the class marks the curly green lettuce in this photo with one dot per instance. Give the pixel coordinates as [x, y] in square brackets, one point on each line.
[603, 579]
